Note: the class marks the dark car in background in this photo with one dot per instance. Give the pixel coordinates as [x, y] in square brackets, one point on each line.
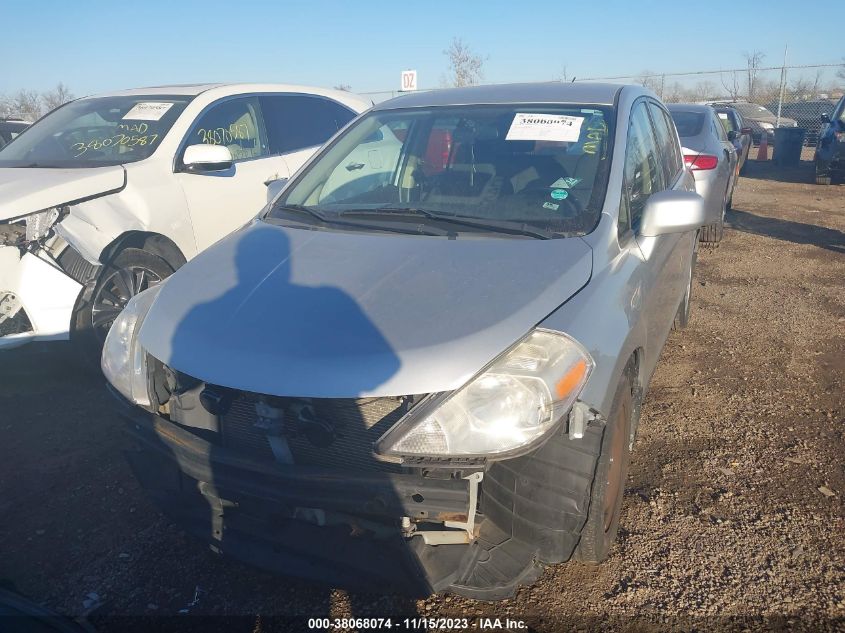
[737, 131]
[807, 114]
[10, 128]
[829, 158]
[761, 120]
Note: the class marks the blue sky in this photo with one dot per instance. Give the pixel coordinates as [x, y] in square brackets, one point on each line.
[94, 46]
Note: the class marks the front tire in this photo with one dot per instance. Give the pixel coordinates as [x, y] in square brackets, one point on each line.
[599, 532]
[131, 271]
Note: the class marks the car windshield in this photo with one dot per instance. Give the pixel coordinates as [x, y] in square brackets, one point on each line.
[540, 166]
[752, 110]
[96, 132]
[688, 123]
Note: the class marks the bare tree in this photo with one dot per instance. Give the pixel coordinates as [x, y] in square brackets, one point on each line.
[753, 62]
[841, 72]
[648, 79]
[25, 104]
[563, 76]
[59, 95]
[731, 86]
[344, 87]
[466, 68]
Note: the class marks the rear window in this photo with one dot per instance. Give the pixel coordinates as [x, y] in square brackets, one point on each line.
[688, 123]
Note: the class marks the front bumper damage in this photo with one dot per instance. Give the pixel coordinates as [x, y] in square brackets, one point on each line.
[37, 297]
[477, 531]
[328, 526]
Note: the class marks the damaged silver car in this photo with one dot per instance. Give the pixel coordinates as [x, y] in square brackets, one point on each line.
[421, 369]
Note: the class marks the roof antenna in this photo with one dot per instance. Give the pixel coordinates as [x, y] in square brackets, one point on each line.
[573, 80]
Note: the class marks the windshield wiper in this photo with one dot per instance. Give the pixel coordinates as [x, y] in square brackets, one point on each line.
[500, 226]
[397, 228]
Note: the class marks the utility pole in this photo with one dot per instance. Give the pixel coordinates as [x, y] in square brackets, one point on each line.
[782, 84]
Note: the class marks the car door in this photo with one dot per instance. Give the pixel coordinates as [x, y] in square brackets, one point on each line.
[298, 124]
[221, 201]
[658, 277]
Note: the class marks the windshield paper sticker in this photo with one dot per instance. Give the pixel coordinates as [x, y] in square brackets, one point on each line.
[147, 111]
[559, 194]
[551, 206]
[564, 183]
[527, 126]
[723, 115]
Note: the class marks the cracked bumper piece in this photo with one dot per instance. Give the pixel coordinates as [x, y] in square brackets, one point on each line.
[38, 296]
[345, 528]
[332, 527]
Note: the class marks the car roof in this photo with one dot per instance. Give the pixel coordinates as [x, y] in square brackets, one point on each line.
[689, 107]
[222, 89]
[547, 92]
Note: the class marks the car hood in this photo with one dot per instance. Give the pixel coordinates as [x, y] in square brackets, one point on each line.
[26, 190]
[294, 312]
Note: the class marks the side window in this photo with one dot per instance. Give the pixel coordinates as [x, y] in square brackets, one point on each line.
[643, 171]
[718, 128]
[670, 155]
[299, 121]
[235, 123]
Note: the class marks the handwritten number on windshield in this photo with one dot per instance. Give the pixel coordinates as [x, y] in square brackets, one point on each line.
[117, 140]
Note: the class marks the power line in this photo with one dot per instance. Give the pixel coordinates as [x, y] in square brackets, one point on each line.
[708, 72]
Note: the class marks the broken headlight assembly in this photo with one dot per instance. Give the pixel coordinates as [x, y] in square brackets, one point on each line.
[32, 227]
[124, 361]
[504, 411]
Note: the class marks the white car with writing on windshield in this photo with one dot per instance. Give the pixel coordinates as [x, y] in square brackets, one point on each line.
[108, 195]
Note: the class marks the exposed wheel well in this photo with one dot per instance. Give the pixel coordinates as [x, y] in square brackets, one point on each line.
[154, 243]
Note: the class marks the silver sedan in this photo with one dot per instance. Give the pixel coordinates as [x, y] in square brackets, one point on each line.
[711, 156]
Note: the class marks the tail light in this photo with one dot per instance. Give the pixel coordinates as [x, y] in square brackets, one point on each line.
[701, 161]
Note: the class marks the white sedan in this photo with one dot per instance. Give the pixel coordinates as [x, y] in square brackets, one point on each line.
[108, 195]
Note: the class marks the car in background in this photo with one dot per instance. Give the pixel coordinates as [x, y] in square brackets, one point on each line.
[710, 155]
[829, 158]
[108, 195]
[733, 122]
[420, 369]
[761, 121]
[807, 115]
[10, 129]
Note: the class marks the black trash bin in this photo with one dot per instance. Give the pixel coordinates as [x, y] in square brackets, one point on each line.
[788, 144]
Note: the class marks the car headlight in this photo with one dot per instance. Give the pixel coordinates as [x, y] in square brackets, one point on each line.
[766, 126]
[504, 411]
[124, 361]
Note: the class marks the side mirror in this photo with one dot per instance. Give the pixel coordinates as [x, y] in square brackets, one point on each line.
[203, 158]
[731, 135]
[274, 187]
[825, 117]
[673, 212]
[745, 130]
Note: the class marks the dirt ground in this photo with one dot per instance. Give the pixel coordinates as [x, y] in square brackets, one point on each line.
[733, 516]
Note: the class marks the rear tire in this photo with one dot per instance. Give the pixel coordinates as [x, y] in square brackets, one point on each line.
[131, 271]
[599, 532]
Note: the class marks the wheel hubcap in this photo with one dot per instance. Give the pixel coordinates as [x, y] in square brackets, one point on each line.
[115, 291]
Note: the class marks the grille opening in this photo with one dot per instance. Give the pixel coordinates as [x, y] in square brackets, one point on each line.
[327, 432]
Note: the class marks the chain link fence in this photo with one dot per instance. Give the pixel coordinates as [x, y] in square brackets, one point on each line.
[767, 97]
[771, 97]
